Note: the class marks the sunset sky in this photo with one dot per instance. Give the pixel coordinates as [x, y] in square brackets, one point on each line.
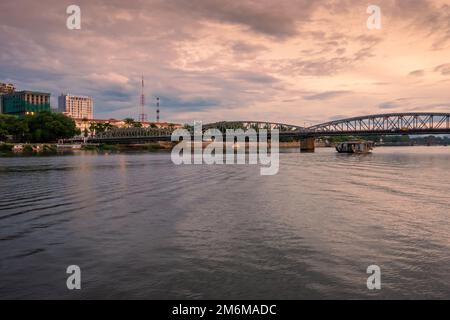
[298, 62]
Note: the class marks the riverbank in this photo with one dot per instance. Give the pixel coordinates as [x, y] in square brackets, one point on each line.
[9, 149]
[150, 147]
[45, 149]
[24, 149]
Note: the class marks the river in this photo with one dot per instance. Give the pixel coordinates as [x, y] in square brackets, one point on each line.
[141, 227]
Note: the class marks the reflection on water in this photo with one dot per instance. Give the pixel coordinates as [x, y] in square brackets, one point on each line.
[141, 227]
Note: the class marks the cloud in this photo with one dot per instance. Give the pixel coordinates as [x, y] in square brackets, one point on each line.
[255, 77]
[110, 77]
[444, 69]
[326, 95]
[388, 105]
[417, 73]
[275, 19]
[188, 104]
[244, 50]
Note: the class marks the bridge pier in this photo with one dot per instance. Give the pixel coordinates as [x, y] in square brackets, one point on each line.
[307, 144]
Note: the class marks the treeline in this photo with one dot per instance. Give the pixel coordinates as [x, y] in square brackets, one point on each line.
[94, 127]
[400, 139]
[40, 127]
[431, 140]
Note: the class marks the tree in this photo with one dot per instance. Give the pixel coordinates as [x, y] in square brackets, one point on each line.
[99, 128]
[108, 126]
[13, 126]
[92, 127]
[85, 121]
[129, 122]
[47, 126]
[3, 127]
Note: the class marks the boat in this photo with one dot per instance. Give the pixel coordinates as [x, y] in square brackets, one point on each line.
[355, 146]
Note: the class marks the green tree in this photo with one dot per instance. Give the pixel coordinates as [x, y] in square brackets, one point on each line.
[99, 128]
[129, 122]
[108, 126]
[14, 126]
[47, 126]
[3, 127]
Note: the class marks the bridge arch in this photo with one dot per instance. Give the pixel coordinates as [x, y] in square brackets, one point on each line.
[240, 124]
[389, 123]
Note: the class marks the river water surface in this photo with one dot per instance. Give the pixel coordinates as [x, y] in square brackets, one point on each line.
[140, 227]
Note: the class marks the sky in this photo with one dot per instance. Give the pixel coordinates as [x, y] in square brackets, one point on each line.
[295, 62]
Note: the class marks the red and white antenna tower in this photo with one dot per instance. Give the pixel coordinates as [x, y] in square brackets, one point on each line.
[157, 109]
[142, 115]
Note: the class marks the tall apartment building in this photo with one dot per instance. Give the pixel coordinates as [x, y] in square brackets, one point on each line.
[77, 107]
[5, 88]
[23, 102]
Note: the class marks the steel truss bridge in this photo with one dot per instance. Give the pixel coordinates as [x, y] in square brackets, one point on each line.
[386, 124]
[379, 124]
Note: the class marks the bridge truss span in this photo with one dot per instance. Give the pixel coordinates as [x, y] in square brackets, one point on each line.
[256, 125]
[125, 135]
[401, 123]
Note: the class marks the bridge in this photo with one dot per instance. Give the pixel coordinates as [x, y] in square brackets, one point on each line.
[378, 124]
[386, 124]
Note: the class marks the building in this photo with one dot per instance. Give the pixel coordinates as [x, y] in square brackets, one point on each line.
[78, 107]
[5, 88]
[25, 102]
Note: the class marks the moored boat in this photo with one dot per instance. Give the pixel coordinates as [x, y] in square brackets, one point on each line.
[356, 146]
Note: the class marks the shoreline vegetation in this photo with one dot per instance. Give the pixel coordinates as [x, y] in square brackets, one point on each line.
[46, 149]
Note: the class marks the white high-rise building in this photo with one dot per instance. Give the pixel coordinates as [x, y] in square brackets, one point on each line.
[78, 107]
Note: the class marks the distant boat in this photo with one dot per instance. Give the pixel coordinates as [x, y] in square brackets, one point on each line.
[356, 146]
